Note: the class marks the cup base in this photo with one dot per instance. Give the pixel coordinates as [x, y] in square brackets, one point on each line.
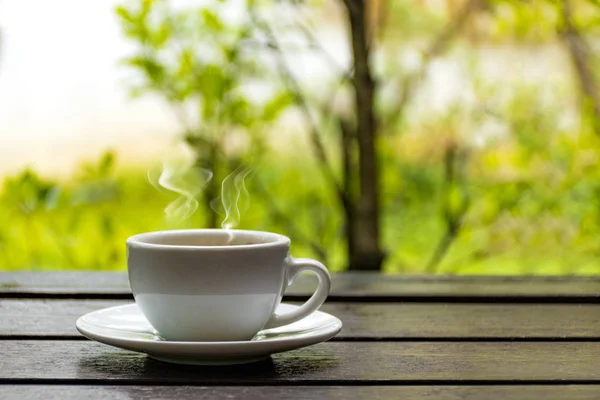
[208, 362]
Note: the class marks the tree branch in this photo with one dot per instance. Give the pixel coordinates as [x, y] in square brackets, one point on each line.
[326, 108]
[316, 44]
[438, 46]
[454, 159]
[294, 88]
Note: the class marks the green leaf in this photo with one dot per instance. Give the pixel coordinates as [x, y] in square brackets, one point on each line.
[52, 198]
[153, 70]
[276, 106]
[212, 82]
[186, 62]
[239, 112]
[211, 21]
[106, 163]
[125, 15]
[162, 35]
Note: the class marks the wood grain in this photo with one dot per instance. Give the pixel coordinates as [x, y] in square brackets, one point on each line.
[357, 286]
[86, 362]
[60, 392]
[402, 321]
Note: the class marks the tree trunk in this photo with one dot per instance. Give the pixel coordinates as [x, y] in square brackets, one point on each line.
[364, 249]
[347, 144]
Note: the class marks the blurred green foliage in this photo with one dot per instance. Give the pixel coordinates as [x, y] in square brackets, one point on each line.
[533, 180]
[535, 210]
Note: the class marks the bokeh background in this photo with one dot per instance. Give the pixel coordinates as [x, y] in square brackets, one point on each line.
[411, 136]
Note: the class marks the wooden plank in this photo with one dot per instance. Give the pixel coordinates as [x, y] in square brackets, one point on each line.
[403, 321]
[23, 361]
[109, 392]
[359, 286]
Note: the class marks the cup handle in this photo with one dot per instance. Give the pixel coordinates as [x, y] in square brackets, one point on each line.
[294, 267]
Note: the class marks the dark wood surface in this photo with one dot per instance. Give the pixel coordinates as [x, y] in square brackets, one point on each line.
[331, 362]
[345, 287]
[362, 321]
[404, 337]
[132, 392]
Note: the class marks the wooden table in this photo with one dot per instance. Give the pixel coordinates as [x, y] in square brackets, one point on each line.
[404, 338]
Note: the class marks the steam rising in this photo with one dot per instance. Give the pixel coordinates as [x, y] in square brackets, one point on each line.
[233, 191]
[189, 181]
[185, 180]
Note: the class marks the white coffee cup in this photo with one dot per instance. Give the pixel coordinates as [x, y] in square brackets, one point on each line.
[216, 285]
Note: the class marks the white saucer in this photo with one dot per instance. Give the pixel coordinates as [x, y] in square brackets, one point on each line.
[127, 328]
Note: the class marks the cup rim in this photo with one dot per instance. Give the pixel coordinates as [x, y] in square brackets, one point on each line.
[137, 241]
